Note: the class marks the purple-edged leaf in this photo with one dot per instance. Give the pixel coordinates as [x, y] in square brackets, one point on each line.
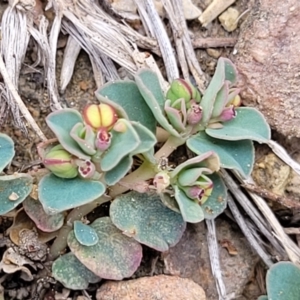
[249, 124]
[13, 190]
[190, 209]
[147, 220]
[7, 151]
[44, 222]
[61, 123]
[225, 71]
[126, 97]
[59, 194]
[69, 271]
[115, 256]
[217, 201]
[85, 234]
[237, 155]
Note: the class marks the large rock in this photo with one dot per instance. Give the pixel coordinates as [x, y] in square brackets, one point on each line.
[149, 288]
[268, 58]
[190, 258]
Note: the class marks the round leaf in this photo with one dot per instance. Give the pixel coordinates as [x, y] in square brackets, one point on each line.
[190, 210]
[283, 281]
[85, 234]
[58, 194]
[237, 155]
[7, 151]
[13, 190]
[115, 256]
[69, 271]
[61, 123]
[128, 97]
[249, 124]
[147, 220]
[44, 222]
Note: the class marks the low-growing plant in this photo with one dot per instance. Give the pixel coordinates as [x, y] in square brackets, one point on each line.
[283, 282]
[110, 152]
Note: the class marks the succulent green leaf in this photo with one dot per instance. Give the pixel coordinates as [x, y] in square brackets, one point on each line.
[7, 151]
[85, 234]
[13, 191]
[59, 194]
[127, 96]
[221, 100]
[238, 155]
[122, 144]
[249, 124]
[147, 220]
[217, 201]
[69, 271]
[190, 210]
[208, 160]
[115, 256]
[283, 281]
[169, 202]
[61, 123]
[114, 175]
[225, 71]
[147, 138]
[44, 222]
[151, 91]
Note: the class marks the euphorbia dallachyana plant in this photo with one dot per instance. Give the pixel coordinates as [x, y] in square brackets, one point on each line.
[111, 148]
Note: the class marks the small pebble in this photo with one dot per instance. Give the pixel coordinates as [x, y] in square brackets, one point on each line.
[214, 52]
[229, 18]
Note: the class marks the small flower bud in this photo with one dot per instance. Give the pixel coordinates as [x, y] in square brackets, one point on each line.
[60, 162]
[161, 181]
[86, 168]
[236, 101]
[182, 89]
[102, 115]
[194, 114]
[227, 114]
[103, 139]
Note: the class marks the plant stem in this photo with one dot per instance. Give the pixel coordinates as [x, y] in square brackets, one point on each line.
[145, 172]
[169, 146]
[60, 243]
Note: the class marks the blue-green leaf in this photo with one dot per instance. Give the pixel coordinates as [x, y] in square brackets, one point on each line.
[283, 281]
[69, 271]
[249, 124]
[144, 218]
[85, 234]
[128, 97]
[13, 190]
[150, 88]
[7, 151]
[217, 201]
[238, 155]
[59, 194]
[61, 123]
[190, 209]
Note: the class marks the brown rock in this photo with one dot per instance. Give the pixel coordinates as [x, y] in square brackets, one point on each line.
[160, 287]
[268, 59]
[190, 258]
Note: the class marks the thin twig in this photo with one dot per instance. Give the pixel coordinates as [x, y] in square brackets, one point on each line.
[239, 219]
[215, 259]
[265, 193]
[19, 101]
[214, 42]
